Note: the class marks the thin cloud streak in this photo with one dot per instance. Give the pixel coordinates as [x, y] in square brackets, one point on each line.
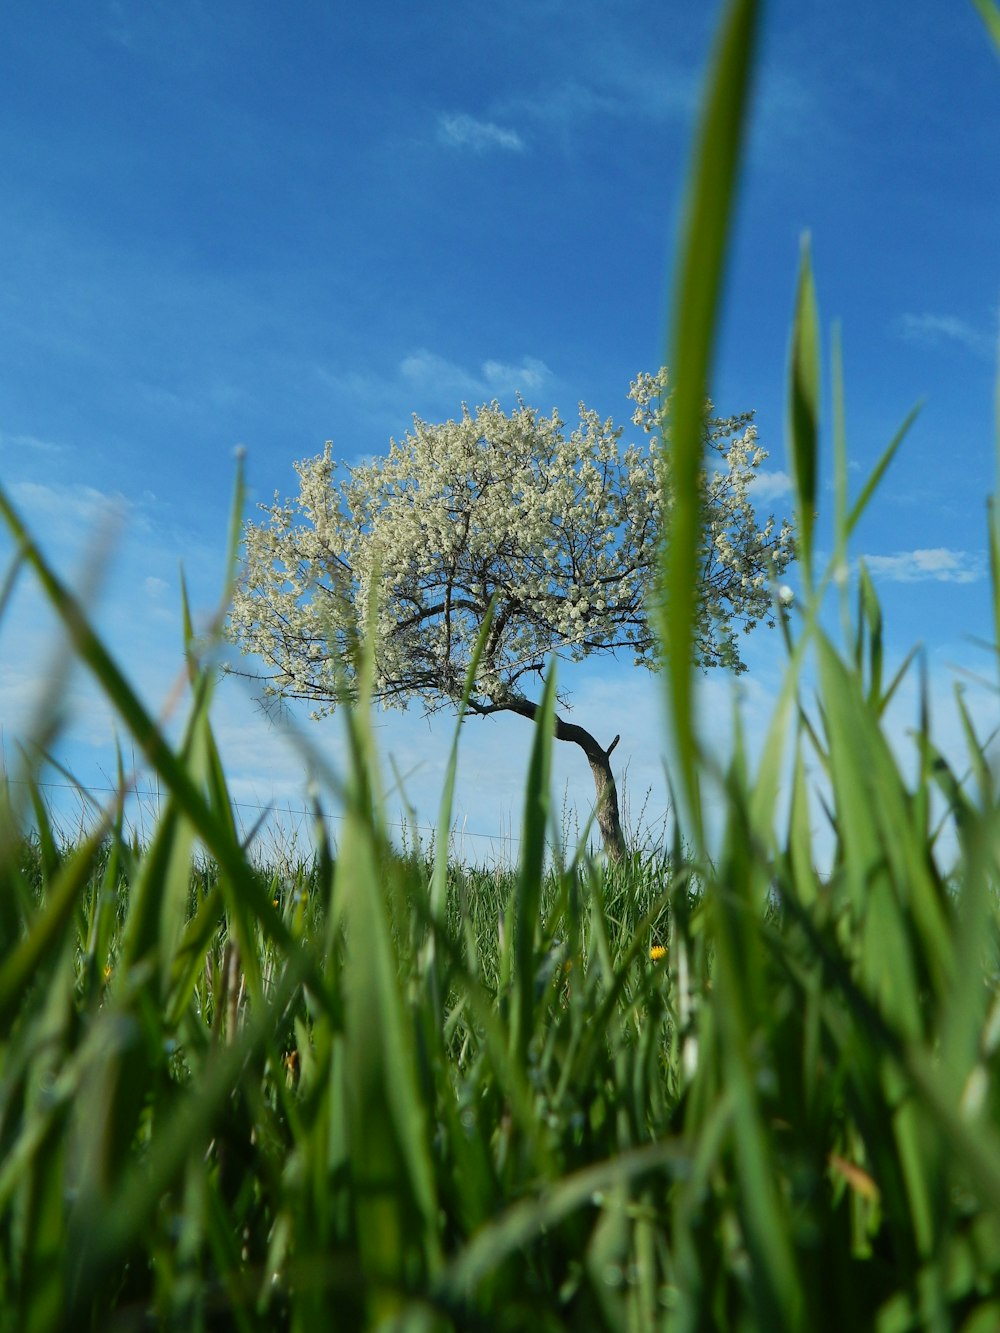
[930, 330]
[935, 564]
[435, 374]
[480, 136]
[15, 444]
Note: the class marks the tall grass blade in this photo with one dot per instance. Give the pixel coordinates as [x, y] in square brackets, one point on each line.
[878, 471]
[803, 410]
[698, 289]
[534, 828]
[396, 1207]
[990, 15]
[439, 879]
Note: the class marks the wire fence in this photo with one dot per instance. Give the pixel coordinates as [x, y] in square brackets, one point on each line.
[274, 810]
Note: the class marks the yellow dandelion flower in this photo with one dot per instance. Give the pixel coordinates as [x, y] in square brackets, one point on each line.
[656, 953]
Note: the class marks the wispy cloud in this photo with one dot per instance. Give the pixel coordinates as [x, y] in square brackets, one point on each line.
[567, 106]
[434, 374]
[433, 387]
[937, 564]
[155, 587]
[61, 511]
[929, 330]
[480, 136]
[613, 80]
[17, 443]
[770, 486]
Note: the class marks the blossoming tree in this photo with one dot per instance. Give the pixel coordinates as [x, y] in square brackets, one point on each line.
[559, 529]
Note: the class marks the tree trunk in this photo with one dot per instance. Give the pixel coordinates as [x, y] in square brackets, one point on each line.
[607, 813]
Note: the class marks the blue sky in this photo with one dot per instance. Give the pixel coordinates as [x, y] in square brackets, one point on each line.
[228, 225]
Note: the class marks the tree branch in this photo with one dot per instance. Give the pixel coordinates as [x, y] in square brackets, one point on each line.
[564, 731]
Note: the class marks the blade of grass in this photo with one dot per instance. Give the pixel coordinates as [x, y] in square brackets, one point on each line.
[396, 1203]
[803, 410]
[990, 15]
[439, 880]
[878, 471]
[534, 828]
[840, 470]
[698, 289]
[438, 890]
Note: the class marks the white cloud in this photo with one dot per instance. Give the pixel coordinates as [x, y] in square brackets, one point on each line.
[463, 131]
[937, 563]
[612, 79]
[770, 486]
[155, 587]
[566, 104]
[434, 374]
[530, 374]
[934, 330]
[71, 505]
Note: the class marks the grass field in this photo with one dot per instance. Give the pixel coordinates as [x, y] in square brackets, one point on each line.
[710, 1088]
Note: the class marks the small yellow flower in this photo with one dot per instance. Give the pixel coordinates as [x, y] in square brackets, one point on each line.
[656, 953]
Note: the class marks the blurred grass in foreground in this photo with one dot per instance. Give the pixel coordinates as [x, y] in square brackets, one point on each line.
[377, 1092]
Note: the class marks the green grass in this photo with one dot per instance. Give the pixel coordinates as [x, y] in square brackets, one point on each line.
[377, 1090]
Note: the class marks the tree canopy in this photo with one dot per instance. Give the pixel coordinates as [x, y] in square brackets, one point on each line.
[561, 528]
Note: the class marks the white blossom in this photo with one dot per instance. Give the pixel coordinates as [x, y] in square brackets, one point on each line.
[561, 529]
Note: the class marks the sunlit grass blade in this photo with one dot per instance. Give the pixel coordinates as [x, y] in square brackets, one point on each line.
[978, 752]
[396, 1204]
[890, 882]
[803, 411]
[990, 15]
[440, 874]
[889, 693]
[9, 582]
[697, 293]
[438, 888]
[870, 631]
[840, 460]
[44, 831]
[768, 782]
[534, 830]
[878, 471]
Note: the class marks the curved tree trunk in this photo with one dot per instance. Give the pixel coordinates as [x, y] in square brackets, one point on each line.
[607, 812]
